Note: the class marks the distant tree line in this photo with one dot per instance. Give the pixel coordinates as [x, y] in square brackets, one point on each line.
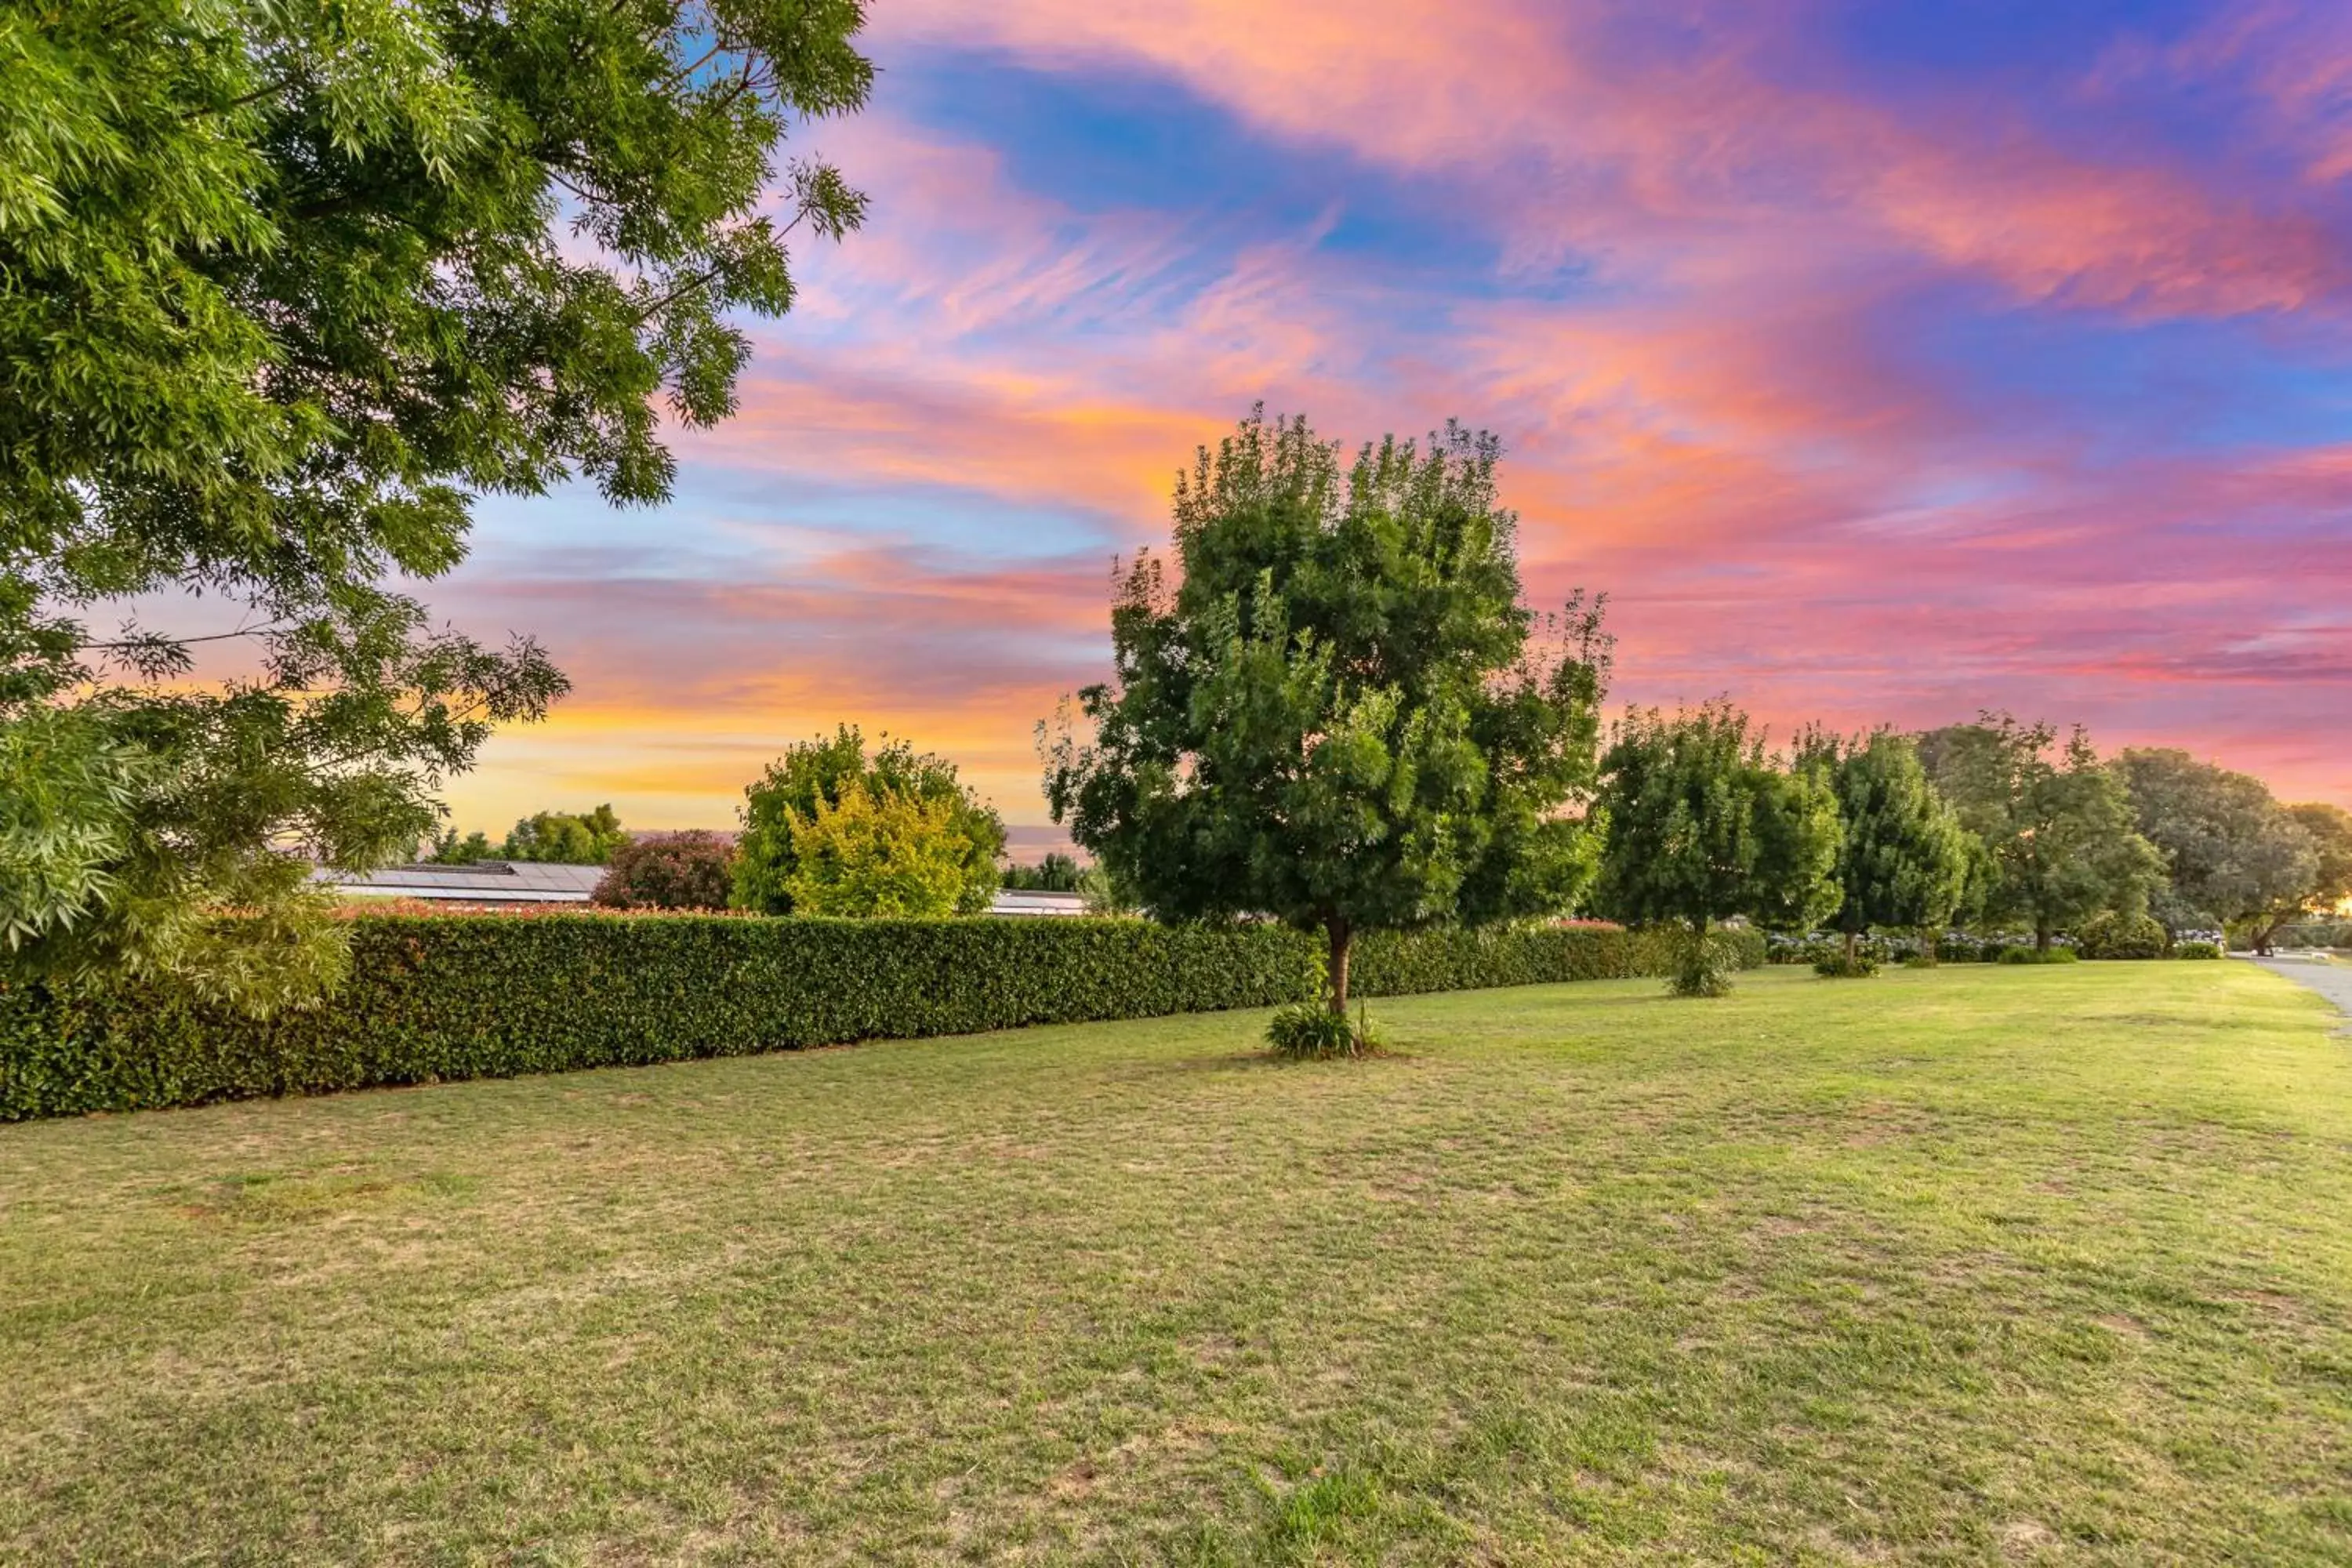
[1335, 711]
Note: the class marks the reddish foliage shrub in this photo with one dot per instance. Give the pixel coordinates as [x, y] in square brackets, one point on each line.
[674, 871]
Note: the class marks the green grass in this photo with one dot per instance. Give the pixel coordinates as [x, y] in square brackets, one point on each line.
[1970, 1265]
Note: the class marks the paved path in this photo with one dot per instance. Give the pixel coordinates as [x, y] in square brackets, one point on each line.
[2331, 980]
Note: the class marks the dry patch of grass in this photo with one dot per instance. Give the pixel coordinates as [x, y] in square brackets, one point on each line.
[1957, 1265]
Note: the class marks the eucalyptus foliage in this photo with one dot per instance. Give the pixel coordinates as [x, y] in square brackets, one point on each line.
[284, 286]
[1336, 712]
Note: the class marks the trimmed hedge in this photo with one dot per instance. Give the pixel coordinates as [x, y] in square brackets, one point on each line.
[443, 997]
[1396, 964]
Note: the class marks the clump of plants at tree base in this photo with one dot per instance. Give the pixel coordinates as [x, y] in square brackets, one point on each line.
[1310, 1031]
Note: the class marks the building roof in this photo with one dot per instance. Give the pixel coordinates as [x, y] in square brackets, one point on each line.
[484, 882]
[528, 882]
[1010, 901]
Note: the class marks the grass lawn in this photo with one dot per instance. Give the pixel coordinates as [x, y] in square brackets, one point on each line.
[1975, 1265]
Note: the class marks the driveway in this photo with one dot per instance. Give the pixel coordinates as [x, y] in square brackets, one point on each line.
[2331, 980]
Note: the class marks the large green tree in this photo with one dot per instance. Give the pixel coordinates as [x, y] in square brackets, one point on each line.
[1705, 825]
[2327, 887]
[815, 778]
[2056, 823]
[2231, 851]
[1902, 856]
[1338, 713]
[283, 288]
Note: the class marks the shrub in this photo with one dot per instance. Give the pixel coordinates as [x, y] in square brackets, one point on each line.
[673, 871]
[2122, 936]
[2196, 950]
[1838, 966]
[1701, 967]
[1919, 960]
[1309, 1031]
[878, 857]
[459, 996]
[2038, 956]
[827, 773]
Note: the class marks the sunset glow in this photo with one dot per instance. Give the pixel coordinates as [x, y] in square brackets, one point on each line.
[1881, 362]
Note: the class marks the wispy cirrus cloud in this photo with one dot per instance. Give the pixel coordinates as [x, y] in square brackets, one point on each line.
[1876, 376]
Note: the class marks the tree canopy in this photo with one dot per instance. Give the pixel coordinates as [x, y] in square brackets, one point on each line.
[282, 289]
[1705, 826]
[2327, 887]
[815, 778]
[1902, 856]
[1056, 873]
[2056, 821]
[2231, 851]
[1339, 713]
[566, 838]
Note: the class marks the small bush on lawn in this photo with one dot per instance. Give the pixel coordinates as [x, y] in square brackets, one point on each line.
[1919, 960]
[1702, 967]
[2038, 956]
[2196, 950]
[1309, 1031]
[673, 871]
[2122, 936]
[1838, 966]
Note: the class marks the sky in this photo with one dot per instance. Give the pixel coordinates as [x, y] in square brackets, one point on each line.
[1881, 362]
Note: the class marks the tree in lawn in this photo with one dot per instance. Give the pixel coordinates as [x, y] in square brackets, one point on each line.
[1339, 713]
[1706, 826]
[814, 779]
[2328, 829]
[282, 289]
[2231, 851]
[1903, 856]
[2056, 821]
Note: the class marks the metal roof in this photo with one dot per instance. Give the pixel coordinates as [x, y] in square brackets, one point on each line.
[485, 882]
[528, 882]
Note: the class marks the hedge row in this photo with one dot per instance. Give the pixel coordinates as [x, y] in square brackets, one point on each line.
[1396, 964]
[449, 997]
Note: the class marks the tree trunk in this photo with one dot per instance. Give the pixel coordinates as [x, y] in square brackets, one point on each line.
[1342, 939]
[2263, 935]
[2040, 935]
[1852, 940]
